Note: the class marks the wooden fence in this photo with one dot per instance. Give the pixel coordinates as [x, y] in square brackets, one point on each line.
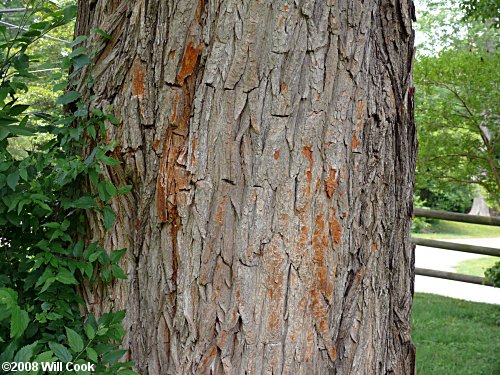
[463, 218]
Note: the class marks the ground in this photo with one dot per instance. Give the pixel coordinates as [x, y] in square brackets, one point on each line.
[455, 337]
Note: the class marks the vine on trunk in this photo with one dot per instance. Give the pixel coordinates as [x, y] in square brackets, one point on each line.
[43, 202]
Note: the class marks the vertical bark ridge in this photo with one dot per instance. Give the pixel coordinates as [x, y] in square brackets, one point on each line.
[271, 146]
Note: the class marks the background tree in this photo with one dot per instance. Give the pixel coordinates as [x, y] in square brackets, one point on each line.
[271, 148]
[457, 84]
[46, 57]
[484, 10]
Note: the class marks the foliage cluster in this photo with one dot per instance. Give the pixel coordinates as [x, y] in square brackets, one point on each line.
[456, 109]
[493, 274]
[43, 198]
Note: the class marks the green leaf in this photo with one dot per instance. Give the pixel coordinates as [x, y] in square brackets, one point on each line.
[4, 166]
[52, 225]
[66, 277]
[93, 257]
[105, 275]
[21, 130]
[25, 353]
[69, 12]
[118, 272]
[112, 119]
[91, 130]
[60, 86]
[77, 52]
[89, 269]
[69, 97]
[104, 34]
[127, 372]
[47, 284]
[23, 173]
[102, 331]
[113, 356]
[19, 322]
[74, 340]
[108, 160]
[89, 331]
[109, 217]
[7, 120]
[40, 25]
[79, 39]
[18, 109]
[84, 202]
[78, 249]
[81, 61]
[110, 188]
[125, 189]
[21, 62]
[60, 351]
[46, 356]
[13, 179]
[8, 297]
[92, 354]
[116, 255]
[4, 91]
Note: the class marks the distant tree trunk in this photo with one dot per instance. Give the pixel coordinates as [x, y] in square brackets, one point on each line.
[479, 206]
[271, 146]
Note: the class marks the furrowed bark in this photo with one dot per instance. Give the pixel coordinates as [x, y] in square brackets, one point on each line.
[271, 146]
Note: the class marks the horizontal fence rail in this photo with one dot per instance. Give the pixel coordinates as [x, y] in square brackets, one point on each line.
[452, 276]
[458, 247]
[452, 216]
[463, 218]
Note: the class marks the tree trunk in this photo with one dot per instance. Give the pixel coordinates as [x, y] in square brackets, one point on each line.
[271, 146]
[479, 206]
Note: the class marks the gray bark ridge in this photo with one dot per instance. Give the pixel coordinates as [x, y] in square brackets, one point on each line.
[271, 146]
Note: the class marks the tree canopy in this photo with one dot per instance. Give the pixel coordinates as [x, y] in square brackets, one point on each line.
[456, 77]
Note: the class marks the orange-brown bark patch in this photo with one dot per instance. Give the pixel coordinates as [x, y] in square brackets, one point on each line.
[320, 245]
[208, 358]
[274, 320]
[199, 10]
[220, 213]
[332, 352]
[174, 111]
[156, 143]
[189, 61]
[320, 316]
[355, 142]
[331, 183]
[307, 152]
[276, 155]
[374, 247]
[282, 21]
[336, 230]
[138, 79]
[285, 8]
[172, 55]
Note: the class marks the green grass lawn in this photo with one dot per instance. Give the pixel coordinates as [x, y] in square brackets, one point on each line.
[455, 337]
[450, 229]
[476, 266]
